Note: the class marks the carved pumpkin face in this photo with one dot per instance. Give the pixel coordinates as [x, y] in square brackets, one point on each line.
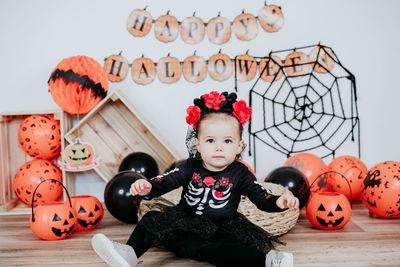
[219, 30]
[79, 154]
[245, 27]
[169, 69]
[143, 70]
[166, 28]
[53, 221]
[246, 67]
[328, 210]
[220, 67]
[139, 22]
[192, 30]
[296, 64]
[116, 67]
[381, 189]
[194, 69]
[89, 212]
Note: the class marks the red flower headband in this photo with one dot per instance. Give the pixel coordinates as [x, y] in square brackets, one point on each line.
[218, 102]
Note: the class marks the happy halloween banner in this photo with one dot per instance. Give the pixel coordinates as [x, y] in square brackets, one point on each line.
[193, 29]
[220, 67]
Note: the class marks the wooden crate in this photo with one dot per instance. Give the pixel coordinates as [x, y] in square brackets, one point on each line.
[12, 157]
[115, 129]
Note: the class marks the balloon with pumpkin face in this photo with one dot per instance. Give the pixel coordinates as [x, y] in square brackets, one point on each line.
[89, 212]
[328, 210]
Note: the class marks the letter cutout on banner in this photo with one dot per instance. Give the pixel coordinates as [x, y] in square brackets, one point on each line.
[296, 64]
[194, 69]
[271, 68]
[245, 26]
[219, 30]
[246, 67]
[139, 22]
[169, 69]
[116, 67]
[166, 28]
[192, 30]
[220, 67]
[325, 60]
[271, 18]
[143, 71]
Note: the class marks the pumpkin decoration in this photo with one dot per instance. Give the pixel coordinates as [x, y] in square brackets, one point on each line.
[328, 210]
[39, 136]
[116, 67]
[143, 70]
[53, 220]
[354, 171]
[245, 67]
[139, 22]
[271, 68]
[381, 190]
[313, 168]
[219, 30]
[296, 64]
[166, 28]
[32, 174]
[220, 67]
[169, 69]
[271, 18]
[321, 58]
[89, 212]
[77, 84]
[79, 153]
[245, 26]
[194, 69]
[192, 30]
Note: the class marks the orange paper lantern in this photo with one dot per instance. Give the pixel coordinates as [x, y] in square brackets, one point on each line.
[166, 28]
[220, 67]
[194, 69]
[116, 67]
[139, 22]
[245, 26]
[219, 30]
[271, 18]
[143, 70]
[168, 69]
[192, 30]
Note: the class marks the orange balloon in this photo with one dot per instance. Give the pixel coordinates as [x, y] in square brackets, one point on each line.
[77, 84]
[30, 175]
[381, 189]
[313, 168]
[353, 170]
[39, 136]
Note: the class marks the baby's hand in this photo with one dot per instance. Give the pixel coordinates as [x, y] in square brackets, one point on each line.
[140, 187]
[287, 201]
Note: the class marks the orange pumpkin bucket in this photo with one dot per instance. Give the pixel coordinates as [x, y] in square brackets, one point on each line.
[53, 220]
[89, 212]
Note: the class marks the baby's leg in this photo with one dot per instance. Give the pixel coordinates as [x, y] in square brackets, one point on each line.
[140, 240]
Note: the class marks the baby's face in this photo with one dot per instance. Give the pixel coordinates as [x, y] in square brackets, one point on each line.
[219, 141]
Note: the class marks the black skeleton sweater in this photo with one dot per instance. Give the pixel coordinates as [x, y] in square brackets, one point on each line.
[214, 194]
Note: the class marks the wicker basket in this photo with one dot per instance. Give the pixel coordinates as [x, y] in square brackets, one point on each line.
[275, 223]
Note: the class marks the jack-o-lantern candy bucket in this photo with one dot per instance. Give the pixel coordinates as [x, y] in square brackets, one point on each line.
[328, 210]
[89, 212]
[53, 220]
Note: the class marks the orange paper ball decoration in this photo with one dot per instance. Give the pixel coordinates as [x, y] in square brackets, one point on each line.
[353, 170]
[381, 190]
[77, 84]
[30, 175]
[89, 212]
[313, 168]
[328, 210]
[39, 136]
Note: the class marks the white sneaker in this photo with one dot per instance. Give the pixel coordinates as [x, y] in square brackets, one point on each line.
[113, 253]
[278, 259]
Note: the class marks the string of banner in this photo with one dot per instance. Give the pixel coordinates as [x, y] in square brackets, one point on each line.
[193, 29]
[219, 66]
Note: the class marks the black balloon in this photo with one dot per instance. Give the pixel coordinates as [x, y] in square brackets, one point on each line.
[141, 163]
[119, 201]
[293, 180]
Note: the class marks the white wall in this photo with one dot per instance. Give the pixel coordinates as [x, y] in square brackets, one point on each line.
[36, 35]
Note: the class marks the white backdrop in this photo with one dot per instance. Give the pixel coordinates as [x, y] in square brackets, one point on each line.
[37, 35]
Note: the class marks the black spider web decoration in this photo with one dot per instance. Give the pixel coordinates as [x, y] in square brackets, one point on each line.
[312, 112]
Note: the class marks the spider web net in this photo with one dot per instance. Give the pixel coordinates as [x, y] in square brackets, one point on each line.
[314, 112]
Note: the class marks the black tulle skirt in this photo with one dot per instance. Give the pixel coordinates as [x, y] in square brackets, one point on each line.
[186, 234]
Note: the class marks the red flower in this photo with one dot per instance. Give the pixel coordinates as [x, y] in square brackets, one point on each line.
[209, 180]
[193, 116]
[241, 111]
[213, 100]
[218, 194]
[196, 177]
[224, 181]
